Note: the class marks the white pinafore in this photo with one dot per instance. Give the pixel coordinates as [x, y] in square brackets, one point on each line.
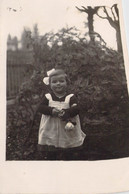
[52, 129]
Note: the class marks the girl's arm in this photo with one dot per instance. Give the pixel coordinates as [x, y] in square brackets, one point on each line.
[73, 110]
[44, 108]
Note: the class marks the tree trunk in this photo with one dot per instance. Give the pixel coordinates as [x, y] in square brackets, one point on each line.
[118, 39]
[90, 25]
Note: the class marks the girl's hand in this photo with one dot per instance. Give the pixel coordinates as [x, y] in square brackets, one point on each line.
[55, 112]
[64, 115]
[61, 113]
[69, 126]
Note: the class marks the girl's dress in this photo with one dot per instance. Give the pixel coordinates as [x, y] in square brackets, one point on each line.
[52, 132]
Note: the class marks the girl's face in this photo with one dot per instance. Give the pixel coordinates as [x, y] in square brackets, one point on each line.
[58, 84]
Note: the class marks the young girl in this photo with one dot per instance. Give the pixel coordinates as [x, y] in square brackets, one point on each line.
[60, 130]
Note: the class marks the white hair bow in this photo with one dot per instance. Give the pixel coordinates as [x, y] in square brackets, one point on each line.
[46, 79]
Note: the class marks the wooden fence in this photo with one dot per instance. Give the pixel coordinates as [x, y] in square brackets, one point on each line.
[17, 72]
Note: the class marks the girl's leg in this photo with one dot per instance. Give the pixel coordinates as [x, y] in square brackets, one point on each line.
[47, 155]
[65, 155]
[52, 155]
[72, 155]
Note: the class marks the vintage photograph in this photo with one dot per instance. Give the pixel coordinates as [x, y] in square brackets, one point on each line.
[67, 95]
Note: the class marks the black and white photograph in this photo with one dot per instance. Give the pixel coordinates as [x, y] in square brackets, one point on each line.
[67, 95]
[67, 88]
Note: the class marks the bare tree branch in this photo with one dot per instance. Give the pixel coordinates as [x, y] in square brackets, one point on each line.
[88, 9]
[85, 8]
[99, 36]
[116, 10]
[112, 23]
[113, 13]
[106, 12]
[101, 16]
[82, 10]
[97, 8]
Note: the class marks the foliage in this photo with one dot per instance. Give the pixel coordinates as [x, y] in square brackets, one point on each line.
[97, 77]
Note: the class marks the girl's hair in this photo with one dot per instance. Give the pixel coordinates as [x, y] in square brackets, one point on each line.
[56, 73]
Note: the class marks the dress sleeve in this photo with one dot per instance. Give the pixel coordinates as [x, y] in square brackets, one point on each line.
[73, 101]
[44, 108]
[73, 110]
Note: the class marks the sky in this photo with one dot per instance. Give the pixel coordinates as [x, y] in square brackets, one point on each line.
[52, 15]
